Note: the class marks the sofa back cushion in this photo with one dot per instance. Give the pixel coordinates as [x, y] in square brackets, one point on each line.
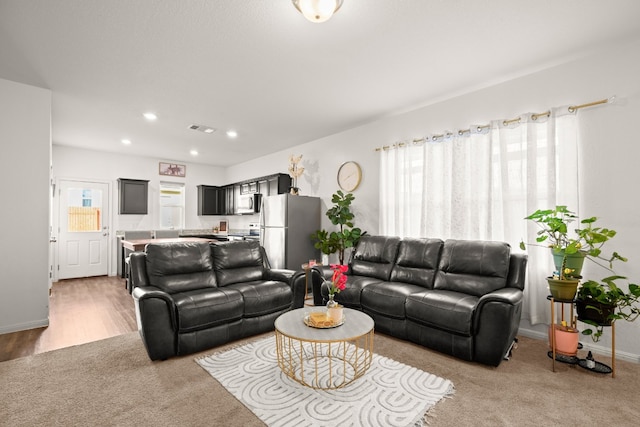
[239, 261]
[374, 256]
[180, 266]
[417, 261]
[473, 267]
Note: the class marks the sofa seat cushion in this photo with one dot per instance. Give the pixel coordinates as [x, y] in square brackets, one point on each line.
[207, 307]
[446, 310]
[388, 298]
[263, 296]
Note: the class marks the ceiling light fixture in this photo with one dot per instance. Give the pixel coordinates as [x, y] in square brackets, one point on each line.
[150, 116]
[126, 141]
[232, 133]
[202, 128]
[317, 10]
[194, 152]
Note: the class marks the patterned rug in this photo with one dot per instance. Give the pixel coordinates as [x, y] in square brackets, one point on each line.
[390, 393]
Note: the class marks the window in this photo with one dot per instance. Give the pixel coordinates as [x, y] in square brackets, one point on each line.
[84, 212]
[171, 205]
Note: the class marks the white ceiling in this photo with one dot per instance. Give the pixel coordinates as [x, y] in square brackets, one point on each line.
[257, 66]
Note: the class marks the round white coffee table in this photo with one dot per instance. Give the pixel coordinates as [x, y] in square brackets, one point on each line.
[324, 358]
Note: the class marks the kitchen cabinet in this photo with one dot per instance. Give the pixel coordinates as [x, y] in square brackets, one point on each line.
[211, 200]
[216, 200]
[277, 184]
[229, 200]
[133, 196]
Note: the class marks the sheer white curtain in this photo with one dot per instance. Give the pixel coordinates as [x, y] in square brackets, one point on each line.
[481, 185]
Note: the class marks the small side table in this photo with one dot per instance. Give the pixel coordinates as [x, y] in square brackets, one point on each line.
[307, 272]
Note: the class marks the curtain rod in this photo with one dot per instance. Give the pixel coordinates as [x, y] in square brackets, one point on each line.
[571, 109]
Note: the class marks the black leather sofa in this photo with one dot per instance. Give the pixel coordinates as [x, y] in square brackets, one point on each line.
[193, 296]
[459, 297]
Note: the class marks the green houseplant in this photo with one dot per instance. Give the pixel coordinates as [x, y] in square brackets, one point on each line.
[346, 236]
[601, 303]
[586, 242]
[569, 250]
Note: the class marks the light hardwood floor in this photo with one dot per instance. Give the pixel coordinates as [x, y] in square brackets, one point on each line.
[80, 311]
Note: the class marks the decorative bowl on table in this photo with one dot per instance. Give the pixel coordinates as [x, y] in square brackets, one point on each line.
[321, 320]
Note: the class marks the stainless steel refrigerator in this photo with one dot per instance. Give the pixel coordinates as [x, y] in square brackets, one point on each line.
[286, 224]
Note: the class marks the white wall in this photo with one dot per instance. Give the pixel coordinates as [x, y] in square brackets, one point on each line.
[25, 149]
[609, 151]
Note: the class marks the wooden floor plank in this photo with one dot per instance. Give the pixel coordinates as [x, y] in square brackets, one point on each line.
[80, 311]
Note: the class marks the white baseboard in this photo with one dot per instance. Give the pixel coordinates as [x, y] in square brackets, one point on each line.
[24, 326]
[587, 345]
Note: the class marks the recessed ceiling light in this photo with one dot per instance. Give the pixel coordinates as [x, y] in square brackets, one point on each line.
[232, 133]
[126, 141]
[194, 152]
[150, 116]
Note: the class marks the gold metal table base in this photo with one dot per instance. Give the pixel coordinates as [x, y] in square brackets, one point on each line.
[324, 358]
[324, 365]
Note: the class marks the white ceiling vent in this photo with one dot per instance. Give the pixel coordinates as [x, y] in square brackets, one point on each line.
[202, 128]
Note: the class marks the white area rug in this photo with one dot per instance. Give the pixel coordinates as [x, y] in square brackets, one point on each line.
[389, 394]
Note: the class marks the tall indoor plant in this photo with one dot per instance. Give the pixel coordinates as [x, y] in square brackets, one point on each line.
[347, 236]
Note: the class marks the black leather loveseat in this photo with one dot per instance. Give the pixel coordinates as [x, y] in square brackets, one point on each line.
[460, 297]
[191, 296]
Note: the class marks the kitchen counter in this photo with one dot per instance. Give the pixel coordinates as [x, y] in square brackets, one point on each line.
[139, 245]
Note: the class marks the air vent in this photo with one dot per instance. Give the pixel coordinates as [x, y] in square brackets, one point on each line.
[202, 128]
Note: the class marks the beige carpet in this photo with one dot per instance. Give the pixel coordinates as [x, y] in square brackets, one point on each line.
[112, 382]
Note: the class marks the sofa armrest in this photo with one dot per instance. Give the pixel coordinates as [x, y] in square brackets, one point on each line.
[517, 270]
[279, 274]
[319, 273]
[495, 324]
[156, 317]
[138, 270]
[296, 279]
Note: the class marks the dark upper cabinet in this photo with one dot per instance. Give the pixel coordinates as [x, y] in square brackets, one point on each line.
[133, 196]
[214, 200]
[211, 200]
[278, 184]
[229, 200]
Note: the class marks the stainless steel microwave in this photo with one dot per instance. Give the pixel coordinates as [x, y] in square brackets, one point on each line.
[248, 203]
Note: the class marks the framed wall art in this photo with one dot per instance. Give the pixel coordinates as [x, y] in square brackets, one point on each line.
[173, 169]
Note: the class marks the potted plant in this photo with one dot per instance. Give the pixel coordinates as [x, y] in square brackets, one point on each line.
[599, 304]
[586, 242]
[347, 235]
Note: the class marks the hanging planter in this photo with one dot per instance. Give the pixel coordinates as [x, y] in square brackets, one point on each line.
[589, 310]
[564, 289]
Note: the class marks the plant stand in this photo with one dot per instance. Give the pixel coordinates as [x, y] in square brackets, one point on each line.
[572, 323]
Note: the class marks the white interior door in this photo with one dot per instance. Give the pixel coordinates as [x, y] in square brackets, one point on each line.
[83, 231]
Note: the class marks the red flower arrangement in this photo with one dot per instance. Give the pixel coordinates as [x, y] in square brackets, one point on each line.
[339, 279]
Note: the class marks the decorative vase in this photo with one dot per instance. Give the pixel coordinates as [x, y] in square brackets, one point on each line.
[563, 289]
[334, 310]
[594, 311]
[566, 340]
[573, 261]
